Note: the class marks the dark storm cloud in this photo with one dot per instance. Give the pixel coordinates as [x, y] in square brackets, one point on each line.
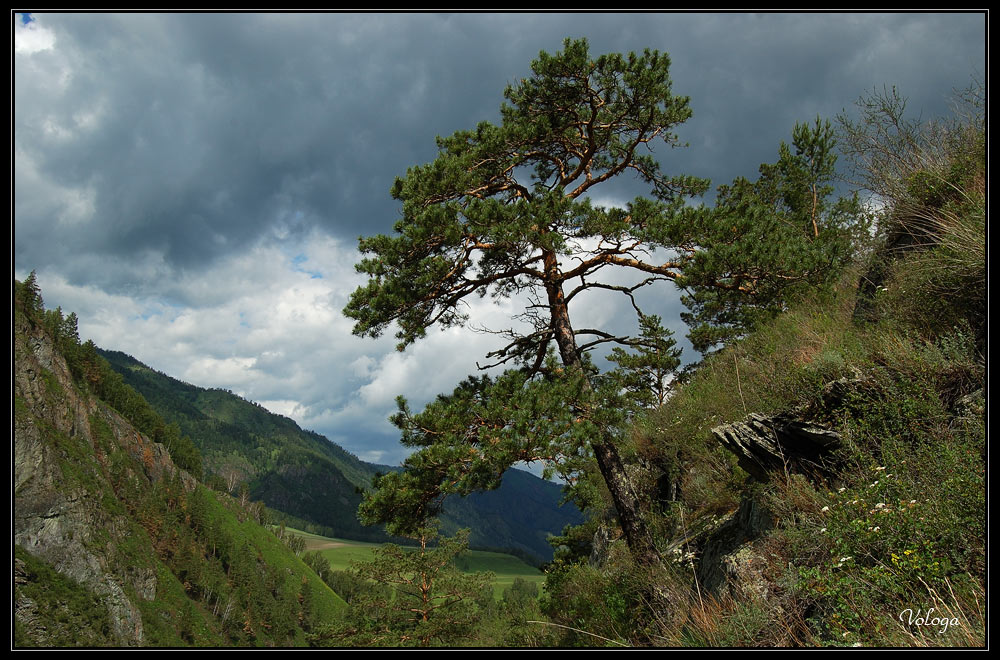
[751, 77]
[209, 130]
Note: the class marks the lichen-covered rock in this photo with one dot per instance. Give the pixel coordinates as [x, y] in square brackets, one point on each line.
[971, 407]
[726, 555]
[790, 441]
[600, 546]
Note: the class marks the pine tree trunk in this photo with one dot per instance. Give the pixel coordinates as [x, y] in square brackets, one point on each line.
[637, 535]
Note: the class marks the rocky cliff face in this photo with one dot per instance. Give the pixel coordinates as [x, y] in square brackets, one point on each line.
[70, 451]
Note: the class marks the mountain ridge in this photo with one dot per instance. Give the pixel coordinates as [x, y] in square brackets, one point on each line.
[299, 473]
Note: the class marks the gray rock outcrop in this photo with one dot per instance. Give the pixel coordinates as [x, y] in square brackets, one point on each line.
[779, 443]
[62, 483]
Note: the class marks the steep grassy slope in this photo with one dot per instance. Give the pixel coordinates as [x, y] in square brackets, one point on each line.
[895, 524]
[116, 546]
[821, 481]
[293, 471]
[315, 483]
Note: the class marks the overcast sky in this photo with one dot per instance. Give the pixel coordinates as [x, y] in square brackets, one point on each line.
[193, 185]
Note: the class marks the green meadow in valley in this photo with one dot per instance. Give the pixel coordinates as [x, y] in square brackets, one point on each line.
[341, 553]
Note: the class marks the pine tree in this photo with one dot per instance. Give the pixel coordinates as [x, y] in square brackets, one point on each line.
[770, 240]
[501, 211]
[422, 599]
[504, 210]
[29, 294]
[647, 373]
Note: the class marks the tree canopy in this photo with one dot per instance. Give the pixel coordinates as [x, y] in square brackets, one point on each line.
[503, 207]
[505, 210]
[413, 596]
[765, 240]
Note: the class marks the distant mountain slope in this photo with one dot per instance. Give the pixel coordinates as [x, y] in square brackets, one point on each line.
[114, 545]
[312, 480]
[292, 471]
[520, 515]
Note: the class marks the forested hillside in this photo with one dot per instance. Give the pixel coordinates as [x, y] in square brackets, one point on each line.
[314, 484]
[114, 544]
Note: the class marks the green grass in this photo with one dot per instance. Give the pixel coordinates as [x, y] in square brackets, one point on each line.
[341, 553]
[902, 527]
[504, 567]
